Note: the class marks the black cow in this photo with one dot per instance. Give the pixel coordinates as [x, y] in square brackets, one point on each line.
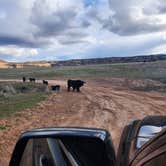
[23, 79]
[75, 84]
[55, 88]
[32, 79]
[45, 82]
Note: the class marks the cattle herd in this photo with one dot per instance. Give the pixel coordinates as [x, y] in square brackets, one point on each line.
[74, 84]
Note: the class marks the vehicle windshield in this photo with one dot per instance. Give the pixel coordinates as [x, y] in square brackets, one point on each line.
[80, 63]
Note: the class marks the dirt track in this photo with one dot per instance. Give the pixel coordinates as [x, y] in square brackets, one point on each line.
[98, 105]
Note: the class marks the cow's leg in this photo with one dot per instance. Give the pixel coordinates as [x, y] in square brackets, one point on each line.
[74, 88]
[68, 88]
[78, 89]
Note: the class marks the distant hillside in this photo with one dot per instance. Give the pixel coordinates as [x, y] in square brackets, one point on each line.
[35, 64]
[77, 62]
[110, 60]
[4, 64]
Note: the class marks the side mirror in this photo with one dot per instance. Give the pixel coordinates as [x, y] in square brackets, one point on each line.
[64, 147]
[153, 152]
[146, 133]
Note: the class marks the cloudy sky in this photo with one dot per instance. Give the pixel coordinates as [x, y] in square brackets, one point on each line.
[72, 29]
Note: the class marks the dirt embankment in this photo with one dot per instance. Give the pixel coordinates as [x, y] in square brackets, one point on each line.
[98, 105]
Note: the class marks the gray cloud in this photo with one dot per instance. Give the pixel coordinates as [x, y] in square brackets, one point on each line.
[76, 34]
[40, 23]
[22, 41]
[71, 41]
[52, 22]
[93, 14]
[63, 24]
[131, 27]
[156, 7]
[72, 37]
[15, 40]
[125, 19]
[162, 9]
[85, 23]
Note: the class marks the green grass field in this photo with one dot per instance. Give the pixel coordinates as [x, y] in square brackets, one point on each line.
[23, 96]
[28, 95]
[148, 70]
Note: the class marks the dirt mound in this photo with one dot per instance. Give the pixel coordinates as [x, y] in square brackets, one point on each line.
[13, 88]
[135, 84]
[98, 105]
[7, 90]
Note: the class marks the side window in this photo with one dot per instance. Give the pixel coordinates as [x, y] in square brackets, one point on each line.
[37, 152]
[41, 152]
[27, 158]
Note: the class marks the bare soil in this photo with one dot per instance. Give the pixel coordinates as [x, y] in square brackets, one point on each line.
[100, 104]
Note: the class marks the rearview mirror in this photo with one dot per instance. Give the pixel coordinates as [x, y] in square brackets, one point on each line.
[64, 147]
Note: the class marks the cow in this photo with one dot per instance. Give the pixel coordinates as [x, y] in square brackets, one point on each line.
[55, 88]
[45, 82]
[75, 84]
[23, 79]
[32, 79]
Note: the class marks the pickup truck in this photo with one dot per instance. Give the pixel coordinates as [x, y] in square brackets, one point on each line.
[143, 143]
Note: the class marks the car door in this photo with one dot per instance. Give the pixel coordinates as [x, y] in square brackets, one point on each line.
[136, 135]
[127, 143]
[152, 153]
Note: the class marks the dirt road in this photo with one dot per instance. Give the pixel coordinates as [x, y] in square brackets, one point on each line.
[98, 105]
